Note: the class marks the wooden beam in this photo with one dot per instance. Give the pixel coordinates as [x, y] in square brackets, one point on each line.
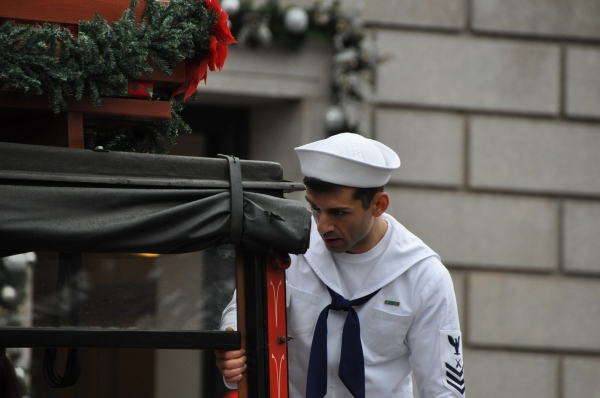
[68, 12]
[110, 107]
[176, 77]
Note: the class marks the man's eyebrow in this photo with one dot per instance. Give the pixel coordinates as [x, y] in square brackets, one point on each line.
[339, 209]
[332, 209]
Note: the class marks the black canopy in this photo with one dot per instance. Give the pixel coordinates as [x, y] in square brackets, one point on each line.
[74, 200]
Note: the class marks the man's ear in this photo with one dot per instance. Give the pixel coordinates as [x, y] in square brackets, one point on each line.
[380, 203]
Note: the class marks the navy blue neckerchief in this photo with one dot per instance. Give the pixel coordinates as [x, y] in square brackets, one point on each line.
[352, 362]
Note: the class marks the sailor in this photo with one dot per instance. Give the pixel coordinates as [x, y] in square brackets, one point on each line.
[369, 303]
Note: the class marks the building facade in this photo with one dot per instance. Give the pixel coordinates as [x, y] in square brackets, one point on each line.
[494, 109]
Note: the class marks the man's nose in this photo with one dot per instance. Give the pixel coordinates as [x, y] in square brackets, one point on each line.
[324, 224]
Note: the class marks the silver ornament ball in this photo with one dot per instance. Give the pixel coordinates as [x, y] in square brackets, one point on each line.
[231, 7]
[296, 20]
[335, 119]
[9, 294]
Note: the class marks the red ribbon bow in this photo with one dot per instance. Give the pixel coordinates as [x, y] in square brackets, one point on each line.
[196, 70]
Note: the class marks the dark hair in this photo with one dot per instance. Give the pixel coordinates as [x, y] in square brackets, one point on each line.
[365, 195]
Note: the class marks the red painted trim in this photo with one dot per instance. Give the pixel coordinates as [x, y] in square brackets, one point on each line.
[277, 328]
[63, 11]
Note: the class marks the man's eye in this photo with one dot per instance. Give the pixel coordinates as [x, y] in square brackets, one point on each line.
[339, 212]
[314, 208]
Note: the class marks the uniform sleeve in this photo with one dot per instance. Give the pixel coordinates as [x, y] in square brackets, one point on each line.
[435, 340]
[229, 316]
[229, 320]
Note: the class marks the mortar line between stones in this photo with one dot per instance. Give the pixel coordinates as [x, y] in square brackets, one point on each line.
[469, 15]
[373, 121]
[562, 83]
[560, 379]
[498, 269]
[533, 38]
[560, 237]
[372, 104]
[550, 351]
[466, 308]
[467, 151]
[487, 112]
[500, 191]
[515, 270]
[482, 34]
[407, 27]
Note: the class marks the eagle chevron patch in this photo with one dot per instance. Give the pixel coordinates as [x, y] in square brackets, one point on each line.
[453, 372]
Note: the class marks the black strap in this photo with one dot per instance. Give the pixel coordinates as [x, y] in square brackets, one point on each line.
[237, 199]
[69, 275]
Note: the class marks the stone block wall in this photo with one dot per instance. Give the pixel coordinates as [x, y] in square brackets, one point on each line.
[494, 109]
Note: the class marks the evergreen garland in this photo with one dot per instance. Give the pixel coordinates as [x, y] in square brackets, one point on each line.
[48, 59]
[103, 58]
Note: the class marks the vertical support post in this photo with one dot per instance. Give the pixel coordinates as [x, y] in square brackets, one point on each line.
[69, 270]
[277, 326]
[73, 124]
[241, 314]
[262, 323]
[66, 131]
[255, 303]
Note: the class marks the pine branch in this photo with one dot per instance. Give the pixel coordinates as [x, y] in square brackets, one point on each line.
[48, 59]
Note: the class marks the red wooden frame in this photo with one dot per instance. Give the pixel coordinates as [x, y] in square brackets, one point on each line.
[114, 107]
[67, 128]
[62, 11]
[277, 325]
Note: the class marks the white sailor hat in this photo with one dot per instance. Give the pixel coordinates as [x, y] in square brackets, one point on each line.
[348, 159]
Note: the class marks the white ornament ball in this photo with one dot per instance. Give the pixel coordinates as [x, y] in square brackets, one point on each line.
[296, 20]
[335, 119]
[231, 7]
[9, 294]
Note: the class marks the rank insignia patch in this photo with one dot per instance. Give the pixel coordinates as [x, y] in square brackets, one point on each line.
[451, 358]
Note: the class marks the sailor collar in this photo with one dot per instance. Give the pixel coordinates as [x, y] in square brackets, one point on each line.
[403, 251]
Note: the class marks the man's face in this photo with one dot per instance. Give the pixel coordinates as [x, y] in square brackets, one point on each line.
[343, 223]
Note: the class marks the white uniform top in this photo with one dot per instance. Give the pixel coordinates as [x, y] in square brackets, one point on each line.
[354, 269]
[421, 334]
